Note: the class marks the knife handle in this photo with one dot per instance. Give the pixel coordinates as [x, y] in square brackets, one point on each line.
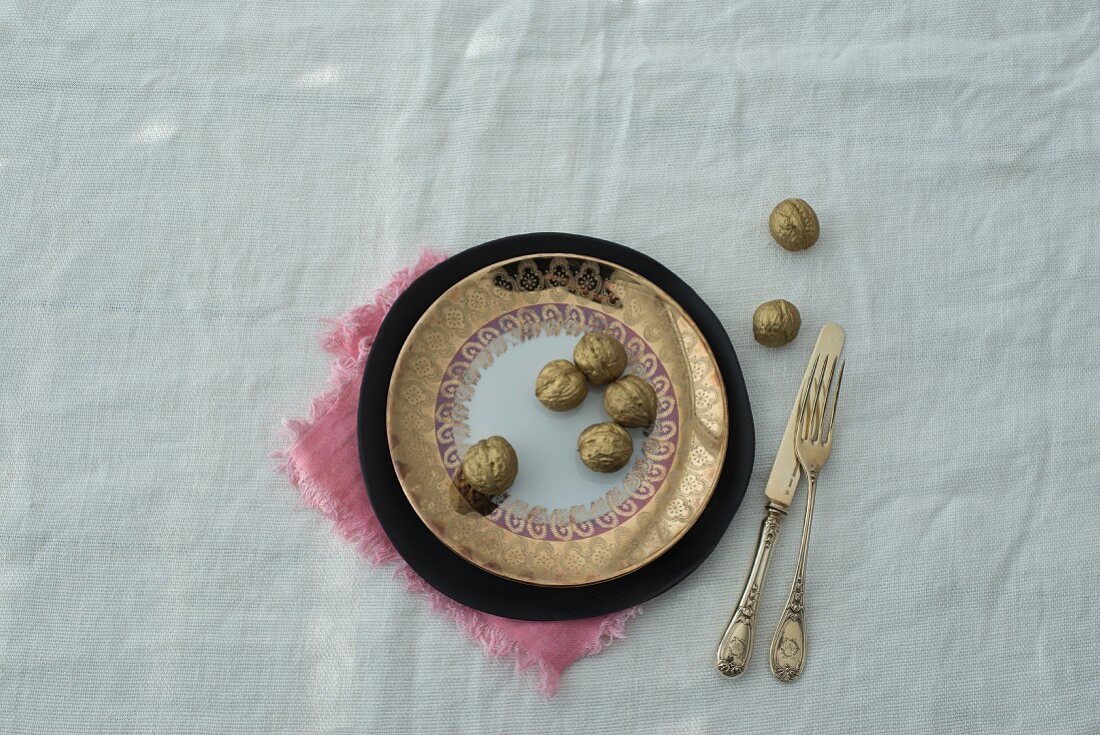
[735, 649]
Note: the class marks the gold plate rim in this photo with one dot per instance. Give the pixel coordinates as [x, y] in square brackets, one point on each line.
[680, 312]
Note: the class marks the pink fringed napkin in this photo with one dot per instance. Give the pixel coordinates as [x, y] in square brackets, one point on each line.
[323, 462]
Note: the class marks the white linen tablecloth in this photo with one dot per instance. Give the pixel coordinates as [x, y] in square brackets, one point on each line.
[187, 188]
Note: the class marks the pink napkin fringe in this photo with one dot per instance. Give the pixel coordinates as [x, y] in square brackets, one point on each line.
[552, 646]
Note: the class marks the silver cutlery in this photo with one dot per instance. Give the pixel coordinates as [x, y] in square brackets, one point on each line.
[813, 442]
[735, 648]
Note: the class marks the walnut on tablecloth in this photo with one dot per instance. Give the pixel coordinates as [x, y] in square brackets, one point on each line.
[776, 323]
[793, 223]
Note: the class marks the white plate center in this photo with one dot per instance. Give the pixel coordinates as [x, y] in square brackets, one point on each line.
[551, 474]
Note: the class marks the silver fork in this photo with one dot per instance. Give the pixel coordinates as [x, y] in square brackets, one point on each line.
[812, 444]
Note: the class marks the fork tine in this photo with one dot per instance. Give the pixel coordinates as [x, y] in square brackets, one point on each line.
[815, 421]
[819, 429]
[836, 400]
[805, 401]
[811, 417]
[810, 424]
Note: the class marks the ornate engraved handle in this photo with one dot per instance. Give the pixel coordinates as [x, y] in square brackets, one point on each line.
[788, 649]
[735, 650]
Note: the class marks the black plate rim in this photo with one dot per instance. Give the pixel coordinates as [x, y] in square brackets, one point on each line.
[458, 578]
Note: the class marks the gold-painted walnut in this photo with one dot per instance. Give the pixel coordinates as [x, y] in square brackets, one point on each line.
[491, 465]
[560, 386]
[776, 323]
[631, 401]
[793, 224]
[605, 447]
[601, 357]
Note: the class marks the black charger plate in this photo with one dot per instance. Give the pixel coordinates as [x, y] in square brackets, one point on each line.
[472, 586]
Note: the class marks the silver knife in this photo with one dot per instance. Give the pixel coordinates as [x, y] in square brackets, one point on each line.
[735, 649]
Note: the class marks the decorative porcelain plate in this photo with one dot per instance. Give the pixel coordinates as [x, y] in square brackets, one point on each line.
[467, 371]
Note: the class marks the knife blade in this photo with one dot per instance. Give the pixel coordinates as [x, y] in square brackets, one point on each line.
[783, 480]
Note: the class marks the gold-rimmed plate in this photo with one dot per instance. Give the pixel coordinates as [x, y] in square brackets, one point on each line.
[467, 371]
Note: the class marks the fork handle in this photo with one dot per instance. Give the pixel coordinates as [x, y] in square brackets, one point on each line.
[788, 649]
[735, 649]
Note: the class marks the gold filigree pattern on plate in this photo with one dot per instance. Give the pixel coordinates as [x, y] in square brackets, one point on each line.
[683, 457]
[620, 501]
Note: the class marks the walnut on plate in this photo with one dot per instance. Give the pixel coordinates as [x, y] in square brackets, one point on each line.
[601, 357]
[631, 401]
[491, 465]
[560, 386]
[605, 447]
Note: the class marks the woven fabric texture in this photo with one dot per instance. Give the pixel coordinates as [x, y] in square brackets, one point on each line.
[188, 189]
